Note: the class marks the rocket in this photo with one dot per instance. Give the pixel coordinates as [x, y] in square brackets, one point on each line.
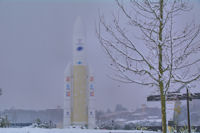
[79, 94]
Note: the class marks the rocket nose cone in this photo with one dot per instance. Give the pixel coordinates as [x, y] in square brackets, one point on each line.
[79, 29]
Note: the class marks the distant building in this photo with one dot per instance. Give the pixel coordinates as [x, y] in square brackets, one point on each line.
[26, 117]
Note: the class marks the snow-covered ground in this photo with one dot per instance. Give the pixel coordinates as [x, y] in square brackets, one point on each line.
[39, 130]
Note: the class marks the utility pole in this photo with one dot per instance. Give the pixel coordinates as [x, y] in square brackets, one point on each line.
[188, 111]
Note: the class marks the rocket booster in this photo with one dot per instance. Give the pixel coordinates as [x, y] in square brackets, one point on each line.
[79, 89]
[67, 96]
[91, 101]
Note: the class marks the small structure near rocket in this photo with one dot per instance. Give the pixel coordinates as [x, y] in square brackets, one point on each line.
[79, 97]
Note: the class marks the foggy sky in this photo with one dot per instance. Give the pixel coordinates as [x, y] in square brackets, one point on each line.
[36, 46]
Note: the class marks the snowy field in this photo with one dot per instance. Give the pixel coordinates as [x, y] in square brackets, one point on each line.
[39, 130]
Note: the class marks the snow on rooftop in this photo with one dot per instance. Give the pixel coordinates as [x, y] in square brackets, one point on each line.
[120, 120]
[39, 130]
[153, 117]
[145, 120]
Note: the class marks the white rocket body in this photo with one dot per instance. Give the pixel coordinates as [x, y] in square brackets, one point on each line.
[79, 39]
[79, 99]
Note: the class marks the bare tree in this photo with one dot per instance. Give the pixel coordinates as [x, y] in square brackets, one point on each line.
[147, 45]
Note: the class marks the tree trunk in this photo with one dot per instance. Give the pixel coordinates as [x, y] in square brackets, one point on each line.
[163, 109]
[160, 67]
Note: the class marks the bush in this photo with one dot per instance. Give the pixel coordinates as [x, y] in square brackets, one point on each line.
[4, 122]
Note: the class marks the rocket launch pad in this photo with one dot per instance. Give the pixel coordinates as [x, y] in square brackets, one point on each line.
[79, 98]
